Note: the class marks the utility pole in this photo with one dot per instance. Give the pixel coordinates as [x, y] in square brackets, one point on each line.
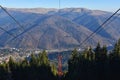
[60, 73]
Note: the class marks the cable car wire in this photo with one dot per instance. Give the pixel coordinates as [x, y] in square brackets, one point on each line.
[99, 27]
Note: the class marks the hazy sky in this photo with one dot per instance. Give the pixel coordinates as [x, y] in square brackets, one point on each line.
[108, 5]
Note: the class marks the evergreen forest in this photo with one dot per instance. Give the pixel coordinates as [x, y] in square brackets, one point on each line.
[90, 64]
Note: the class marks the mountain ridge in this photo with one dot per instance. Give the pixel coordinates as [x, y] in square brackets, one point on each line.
[53, 29]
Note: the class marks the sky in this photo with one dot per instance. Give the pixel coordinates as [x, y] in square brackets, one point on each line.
[106, 5]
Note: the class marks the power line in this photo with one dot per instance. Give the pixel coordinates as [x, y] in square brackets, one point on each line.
[26, 30]
[11, 16]
[59, 9]
[110, 21]
[106, 25]
[17, 22]
[59, 4]
[99, 27]
[7, 32]
[58, 46]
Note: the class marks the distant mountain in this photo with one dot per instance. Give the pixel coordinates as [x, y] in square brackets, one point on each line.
[52, 29]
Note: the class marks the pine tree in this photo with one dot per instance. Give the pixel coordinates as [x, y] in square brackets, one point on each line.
[98, 52]
[44, 59]
[116, 49]
[54, 70]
